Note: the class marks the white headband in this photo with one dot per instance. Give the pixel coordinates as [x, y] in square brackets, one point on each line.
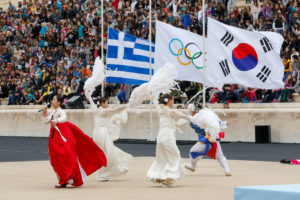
[166, 100]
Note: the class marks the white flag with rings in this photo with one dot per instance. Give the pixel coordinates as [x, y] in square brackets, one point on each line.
[183, 49]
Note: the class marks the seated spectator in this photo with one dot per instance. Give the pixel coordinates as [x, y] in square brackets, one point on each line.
[233, 20]
[4, 90]
[37, 96]
[288, 64]
[255, 10]
[278, 23]
[24, 98]
[268, 96]
[267, 11]
[249, 95]
[296, 86]
[45, 93]
[177, 97]
[86, 71]
[238, 91]
[66, 90]
[295, 65]
[286, 93]
[77, 72]
[12, 98]
[294, 52]
[228, 94]
[18, 92]
[214, 98]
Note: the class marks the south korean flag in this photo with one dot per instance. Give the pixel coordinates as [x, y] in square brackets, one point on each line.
[243, 57]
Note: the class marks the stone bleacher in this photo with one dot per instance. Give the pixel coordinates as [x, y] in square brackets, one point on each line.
[3, 101]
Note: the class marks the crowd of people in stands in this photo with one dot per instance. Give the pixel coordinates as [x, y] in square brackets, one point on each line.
[49, 47]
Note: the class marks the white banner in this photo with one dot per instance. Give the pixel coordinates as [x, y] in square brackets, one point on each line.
[243, 57]
[182, 48]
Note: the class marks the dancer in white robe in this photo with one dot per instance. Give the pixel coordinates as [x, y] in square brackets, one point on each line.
[107, 123]
[107, 127]
[168, 166]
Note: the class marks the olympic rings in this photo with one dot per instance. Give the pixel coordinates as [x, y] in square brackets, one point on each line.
[198, 53]
[187, 53]
[195, 55]
[171, 43]
[179, 50]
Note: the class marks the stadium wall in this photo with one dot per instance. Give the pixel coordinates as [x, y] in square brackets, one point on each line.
[284, 123]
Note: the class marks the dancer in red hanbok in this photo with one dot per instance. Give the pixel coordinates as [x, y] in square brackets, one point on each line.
[73, 155]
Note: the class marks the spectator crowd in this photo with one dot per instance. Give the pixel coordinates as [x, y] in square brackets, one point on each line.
[49, 47]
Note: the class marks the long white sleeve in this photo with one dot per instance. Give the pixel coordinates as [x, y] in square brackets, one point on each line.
[179, 115]
[110, 111]
[46, 119]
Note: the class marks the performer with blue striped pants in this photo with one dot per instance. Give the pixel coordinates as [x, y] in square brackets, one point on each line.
[206, 146]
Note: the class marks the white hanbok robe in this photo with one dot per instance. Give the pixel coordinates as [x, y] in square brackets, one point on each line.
[168, 165]
[105, 132]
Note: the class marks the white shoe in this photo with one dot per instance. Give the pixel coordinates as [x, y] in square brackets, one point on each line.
[167, 186]
[189, 168]
[227, 174]
[102, 179]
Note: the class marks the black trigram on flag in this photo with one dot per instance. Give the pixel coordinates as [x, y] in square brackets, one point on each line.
[266, 44]
[264, 74]
[225, 68]
[227, 38]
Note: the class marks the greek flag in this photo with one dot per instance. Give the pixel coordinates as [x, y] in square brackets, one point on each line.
[127, 58]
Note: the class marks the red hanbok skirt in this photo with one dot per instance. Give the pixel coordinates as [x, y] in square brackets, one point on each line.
[73, 155]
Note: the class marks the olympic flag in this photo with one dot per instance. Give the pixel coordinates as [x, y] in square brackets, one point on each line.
[182, 48]
[243, 57]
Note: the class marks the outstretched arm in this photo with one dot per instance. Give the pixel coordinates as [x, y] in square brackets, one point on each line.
[111, 111]
[46, 117]
[178, 114]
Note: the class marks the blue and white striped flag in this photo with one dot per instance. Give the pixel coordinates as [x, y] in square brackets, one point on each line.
[127, 58]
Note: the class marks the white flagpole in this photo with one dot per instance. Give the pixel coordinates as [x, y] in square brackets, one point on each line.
[196, 95]
[102, 45]
[150, 138]
[204, 66]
